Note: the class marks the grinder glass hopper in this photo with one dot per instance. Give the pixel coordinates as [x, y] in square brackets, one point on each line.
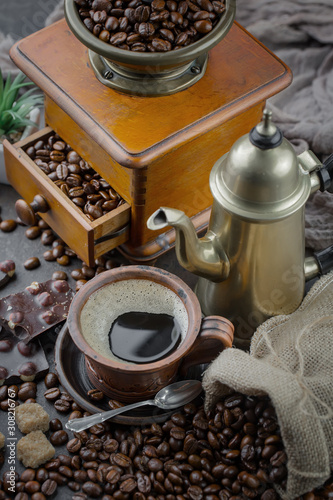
[149, 73]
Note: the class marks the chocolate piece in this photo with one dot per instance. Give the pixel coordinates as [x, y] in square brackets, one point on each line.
[7, 270]
[22, 362]
[33, 311]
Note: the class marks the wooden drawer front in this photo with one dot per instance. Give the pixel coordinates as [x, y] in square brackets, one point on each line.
[88, 239]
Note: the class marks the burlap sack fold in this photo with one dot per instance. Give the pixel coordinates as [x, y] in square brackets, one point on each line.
[291, 360]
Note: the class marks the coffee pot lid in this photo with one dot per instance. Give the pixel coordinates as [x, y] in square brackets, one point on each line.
[260, 178]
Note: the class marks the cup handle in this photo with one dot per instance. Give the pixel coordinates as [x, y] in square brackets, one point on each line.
[216, 334]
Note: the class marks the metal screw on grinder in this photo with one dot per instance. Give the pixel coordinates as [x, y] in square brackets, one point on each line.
[108, 75]
[196, 69]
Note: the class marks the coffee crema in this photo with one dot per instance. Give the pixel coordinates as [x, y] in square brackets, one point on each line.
[108, 303]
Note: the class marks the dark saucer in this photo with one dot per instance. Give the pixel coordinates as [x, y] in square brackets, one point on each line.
[71, 370]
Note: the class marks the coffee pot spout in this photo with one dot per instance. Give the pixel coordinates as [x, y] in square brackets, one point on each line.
[202, 256]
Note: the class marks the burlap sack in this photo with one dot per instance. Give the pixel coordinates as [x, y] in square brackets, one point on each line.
[291, 360]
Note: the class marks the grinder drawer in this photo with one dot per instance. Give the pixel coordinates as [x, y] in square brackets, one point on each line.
[89, 239]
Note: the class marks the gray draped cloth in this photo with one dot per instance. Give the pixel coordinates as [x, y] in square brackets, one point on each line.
[300, 32]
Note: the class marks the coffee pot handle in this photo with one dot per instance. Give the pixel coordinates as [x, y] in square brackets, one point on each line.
[324, 260]
[325, 174]
[216, 334]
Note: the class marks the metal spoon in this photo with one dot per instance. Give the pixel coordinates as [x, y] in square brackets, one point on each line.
[170, 397]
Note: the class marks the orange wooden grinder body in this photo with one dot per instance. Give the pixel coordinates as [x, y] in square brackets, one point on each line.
[154, 151]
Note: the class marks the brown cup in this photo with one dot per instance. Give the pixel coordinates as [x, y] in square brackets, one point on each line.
[128, 382]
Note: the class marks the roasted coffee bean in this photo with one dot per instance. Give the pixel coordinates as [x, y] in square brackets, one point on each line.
[95, 395]
[31, 152]
[3, 393]
[31, 385]
[58, 156]
[93, 490]
[122, 460]
[52, 394]
[49, 256]
[33, 232]
[113, 476]
[28, 475]
[80, 284]
[22, 496]
[13, 391]
[128, 485]
[75, 414]
[47, 237]
[8, 225]
[55, 425]
[32, 487]
[59, 145]
[65, 470]
[88, 272]
[77, 274]
[161, 45]
[58, 251]
[269, 495]
[80, 476]
[49, 487]
[52, 465]
[97, 429]
[26, 393]
[59, 438]
[58, 478]
[74, 486]
[88, 454]
[38, 496]
[51, 379]
[73, 445]
[59, 275]
[64, 260]
[79, 496]
[62, 405]
[32, 263]
[41, 475]
[42, 224]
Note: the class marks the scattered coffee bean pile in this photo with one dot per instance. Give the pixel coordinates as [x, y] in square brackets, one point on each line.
[141, 26]
[233, 453]
[92, 194]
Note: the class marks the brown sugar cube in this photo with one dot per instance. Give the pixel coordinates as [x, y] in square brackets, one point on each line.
[34, 449]
[31, 417]
[2, 440]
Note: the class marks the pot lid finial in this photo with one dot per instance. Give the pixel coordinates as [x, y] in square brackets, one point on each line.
[266, 135]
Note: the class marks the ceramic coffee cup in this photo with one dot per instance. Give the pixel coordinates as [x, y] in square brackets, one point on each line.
[126, 289]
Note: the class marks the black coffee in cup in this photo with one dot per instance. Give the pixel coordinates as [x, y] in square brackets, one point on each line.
[136, 321]
[141, 337]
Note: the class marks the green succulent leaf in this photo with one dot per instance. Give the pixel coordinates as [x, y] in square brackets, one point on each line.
[30, 96]
[14, 109]
[18, 119]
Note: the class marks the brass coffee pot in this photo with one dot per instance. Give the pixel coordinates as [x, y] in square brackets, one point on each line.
[251, 262]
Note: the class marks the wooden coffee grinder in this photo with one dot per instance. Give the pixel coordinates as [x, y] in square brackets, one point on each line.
[155, 143]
